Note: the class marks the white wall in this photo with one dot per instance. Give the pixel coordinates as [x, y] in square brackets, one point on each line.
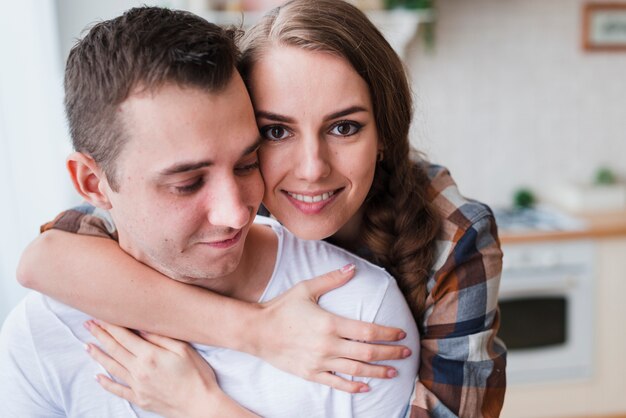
[35, 37]
[76, 15]
[509, 98]
[33, 140]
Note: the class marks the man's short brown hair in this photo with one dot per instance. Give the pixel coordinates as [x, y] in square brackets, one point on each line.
[144, 48]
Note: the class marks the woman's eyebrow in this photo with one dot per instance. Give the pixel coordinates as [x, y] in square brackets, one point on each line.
[286, 119]
[273, 116]
[345, 112]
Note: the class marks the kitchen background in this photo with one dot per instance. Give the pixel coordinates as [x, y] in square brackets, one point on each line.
[506, 98]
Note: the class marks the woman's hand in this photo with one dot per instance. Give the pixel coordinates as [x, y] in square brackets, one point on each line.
[296, 335]
[162, 375]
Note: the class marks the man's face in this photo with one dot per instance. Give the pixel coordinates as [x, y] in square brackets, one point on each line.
[189, 180]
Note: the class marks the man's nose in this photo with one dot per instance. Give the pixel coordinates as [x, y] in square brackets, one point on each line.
[227, 206]
[312, 163]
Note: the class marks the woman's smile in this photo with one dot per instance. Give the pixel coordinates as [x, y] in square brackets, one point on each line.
[313, 203]
[318, 157]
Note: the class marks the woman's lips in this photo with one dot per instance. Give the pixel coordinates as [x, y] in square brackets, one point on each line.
[312, 203]
[315, 198]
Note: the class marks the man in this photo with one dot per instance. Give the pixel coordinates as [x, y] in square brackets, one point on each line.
[166, 142]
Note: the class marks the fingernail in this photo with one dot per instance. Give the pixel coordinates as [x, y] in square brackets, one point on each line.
[401, 335]
[406, 352]
[87, 347]
[392, 373]
[348, 267]
[364, 389]
[87, 324]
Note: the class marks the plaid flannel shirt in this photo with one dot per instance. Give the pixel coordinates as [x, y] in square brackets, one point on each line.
[462, 366]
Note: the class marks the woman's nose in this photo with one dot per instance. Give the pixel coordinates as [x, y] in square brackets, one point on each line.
[313, 162]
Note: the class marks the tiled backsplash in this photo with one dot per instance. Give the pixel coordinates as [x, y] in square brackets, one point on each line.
[508, 98]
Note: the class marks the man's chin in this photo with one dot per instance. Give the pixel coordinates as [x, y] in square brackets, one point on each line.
[209, 276]
[201, 268]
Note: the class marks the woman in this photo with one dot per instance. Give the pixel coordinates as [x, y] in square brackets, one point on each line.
[323, 183]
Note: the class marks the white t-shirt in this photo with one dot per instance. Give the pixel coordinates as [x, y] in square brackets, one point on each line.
[45, 372]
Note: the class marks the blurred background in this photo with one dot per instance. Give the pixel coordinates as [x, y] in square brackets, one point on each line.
[523, 100]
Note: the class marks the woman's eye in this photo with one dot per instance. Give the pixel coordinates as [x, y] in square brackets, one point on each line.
[275, 133]
[345, 128]
[189, 188]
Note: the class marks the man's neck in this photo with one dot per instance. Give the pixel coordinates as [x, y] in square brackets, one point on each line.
[257, 264]
[251, 276]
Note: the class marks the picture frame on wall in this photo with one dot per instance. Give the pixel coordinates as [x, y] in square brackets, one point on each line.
[604, 27]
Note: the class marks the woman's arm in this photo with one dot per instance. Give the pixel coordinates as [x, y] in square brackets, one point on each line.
[97, 277]
[461, 356]
[160, 374]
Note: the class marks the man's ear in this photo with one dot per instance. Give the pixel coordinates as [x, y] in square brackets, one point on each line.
[89, 179]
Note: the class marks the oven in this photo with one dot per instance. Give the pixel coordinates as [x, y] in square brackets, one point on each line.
[546, 302]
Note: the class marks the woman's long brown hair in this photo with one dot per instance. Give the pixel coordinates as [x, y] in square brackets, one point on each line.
[399, 222]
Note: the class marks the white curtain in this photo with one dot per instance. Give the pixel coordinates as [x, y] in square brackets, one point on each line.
[33, 136]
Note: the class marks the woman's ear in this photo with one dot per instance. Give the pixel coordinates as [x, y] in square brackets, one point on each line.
[380, 153]
[89, 179]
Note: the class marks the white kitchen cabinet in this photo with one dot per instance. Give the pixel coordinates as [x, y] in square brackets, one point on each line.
[604, 393]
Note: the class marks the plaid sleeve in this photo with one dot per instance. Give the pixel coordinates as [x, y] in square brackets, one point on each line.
[462, 366]
[85, 220]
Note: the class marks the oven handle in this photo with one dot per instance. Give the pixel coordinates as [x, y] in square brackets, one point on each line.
[542, 285]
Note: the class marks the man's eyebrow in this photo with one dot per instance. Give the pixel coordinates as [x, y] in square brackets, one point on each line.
[196, 165]
[183, 167]
[252, 148]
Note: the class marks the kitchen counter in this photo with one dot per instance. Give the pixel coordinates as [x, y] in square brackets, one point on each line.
[601, 392]
[598, 225]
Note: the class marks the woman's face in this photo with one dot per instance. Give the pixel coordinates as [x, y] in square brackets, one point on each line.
[320, 143]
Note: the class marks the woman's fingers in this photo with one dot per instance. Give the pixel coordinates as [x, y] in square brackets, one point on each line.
[110, 365]
[360, 369]
[157, 373]
[339, 383]
[170, 344]
[349, 328]
[364, 331]
[367, 352]
[110, 344]
[126, 338]
[298, 336]
[116, 388]
[319, 285]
